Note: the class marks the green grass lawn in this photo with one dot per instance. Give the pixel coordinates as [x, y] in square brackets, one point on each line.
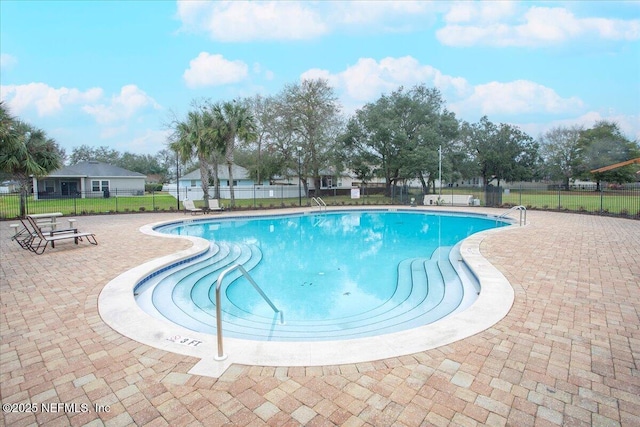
[610, 202]
[615, 202]
[9, 205]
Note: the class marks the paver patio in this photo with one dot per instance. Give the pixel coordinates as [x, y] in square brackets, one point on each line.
[568, 352]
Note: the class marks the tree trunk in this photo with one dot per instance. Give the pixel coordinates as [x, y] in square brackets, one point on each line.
[23, 202]
[204, 180]
[425, 186]
[231, 187]
[216, 180]
[317, 183]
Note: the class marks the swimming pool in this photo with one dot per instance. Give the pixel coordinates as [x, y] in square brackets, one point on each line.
[336, 275]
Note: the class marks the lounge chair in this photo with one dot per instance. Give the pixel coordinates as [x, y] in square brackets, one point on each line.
[190, 207]
[214, 205]
[27, 234]
[40, 240]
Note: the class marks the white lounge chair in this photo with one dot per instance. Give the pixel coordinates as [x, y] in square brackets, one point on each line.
[190, 207]
[214, 205]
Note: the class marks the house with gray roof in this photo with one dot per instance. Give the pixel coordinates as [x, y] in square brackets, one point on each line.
[89, 179]
[240, 177]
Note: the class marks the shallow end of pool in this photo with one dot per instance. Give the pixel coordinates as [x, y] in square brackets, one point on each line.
[118, 308]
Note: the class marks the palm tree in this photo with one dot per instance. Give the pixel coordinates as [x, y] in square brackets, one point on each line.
[234, 122]
[25, 151]
[196, 136]
[7, 123]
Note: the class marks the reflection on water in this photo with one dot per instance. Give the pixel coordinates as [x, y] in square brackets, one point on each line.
[330, 265]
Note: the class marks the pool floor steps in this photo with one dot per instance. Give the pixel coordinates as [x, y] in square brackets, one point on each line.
[427, 290]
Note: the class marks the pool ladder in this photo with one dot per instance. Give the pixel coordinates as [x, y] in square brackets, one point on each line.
[520, 208]
[221, 355]
[321, 204]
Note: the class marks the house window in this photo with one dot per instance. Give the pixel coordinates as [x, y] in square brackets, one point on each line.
[99, 185]
[49, 186]
[193, 183]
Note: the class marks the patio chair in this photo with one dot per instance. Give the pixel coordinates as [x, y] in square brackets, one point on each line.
[190, 207]
[214, 205]
[40, 240]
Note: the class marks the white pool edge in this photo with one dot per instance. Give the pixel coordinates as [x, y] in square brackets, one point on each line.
[118, 308]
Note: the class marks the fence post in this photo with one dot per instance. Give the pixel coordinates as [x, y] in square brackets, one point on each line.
[601, 198]
[520, 196]
[559, 204]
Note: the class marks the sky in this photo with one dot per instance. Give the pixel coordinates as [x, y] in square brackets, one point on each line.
[116, 73]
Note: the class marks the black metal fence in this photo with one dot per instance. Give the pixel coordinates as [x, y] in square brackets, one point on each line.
[608, 199]
[115, 201]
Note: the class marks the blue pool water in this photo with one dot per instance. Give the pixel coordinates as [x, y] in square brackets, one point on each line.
[334, 275]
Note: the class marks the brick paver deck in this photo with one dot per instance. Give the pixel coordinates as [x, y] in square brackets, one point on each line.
[568, 352]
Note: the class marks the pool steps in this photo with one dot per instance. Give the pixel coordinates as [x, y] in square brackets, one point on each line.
[427, 290]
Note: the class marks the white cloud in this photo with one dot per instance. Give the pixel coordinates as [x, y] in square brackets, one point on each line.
[385, 16]
[499, 24]
[483, 12]
[7, 61]
[368, 78]
[241, 21]
[244, 21]
[517, 97]
[44, 98]
[130, 101]
[214, 70]
[150, 141]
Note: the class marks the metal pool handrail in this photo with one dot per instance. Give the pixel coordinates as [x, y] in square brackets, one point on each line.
[221, 355]
[319, 202]
[517, 208]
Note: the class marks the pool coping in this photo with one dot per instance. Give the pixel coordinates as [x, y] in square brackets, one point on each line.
[118, 308]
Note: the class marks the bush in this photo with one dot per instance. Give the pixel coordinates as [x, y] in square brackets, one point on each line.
[152, 187]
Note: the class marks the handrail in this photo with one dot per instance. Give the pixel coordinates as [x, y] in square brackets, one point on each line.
[221, 355]
[319, 202]
[516, 208]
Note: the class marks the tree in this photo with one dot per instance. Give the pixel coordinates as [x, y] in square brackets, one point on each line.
[603, 145]
[262, 165]
[428, 127]
[233, 123]
[26, 151]
[561, 152]
[196, 136]
[104, 154]
[501, 152]
[276, 125]
[311, 110]
[370, 138]
[142, 163]
[399, 135]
